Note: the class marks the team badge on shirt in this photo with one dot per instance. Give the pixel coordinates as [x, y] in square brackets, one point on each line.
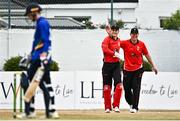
[119, 44]
[138, 48]
[133, 54]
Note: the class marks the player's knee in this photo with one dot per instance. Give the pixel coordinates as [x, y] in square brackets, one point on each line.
[51, 93]
[106, 88]
[119, 86]
[50, 89]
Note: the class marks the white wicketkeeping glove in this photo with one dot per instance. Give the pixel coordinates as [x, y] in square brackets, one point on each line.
[116, 54]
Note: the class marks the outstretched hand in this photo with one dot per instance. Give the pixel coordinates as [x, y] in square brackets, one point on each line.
[155, 70]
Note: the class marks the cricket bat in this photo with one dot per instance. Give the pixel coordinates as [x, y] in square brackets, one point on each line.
[34, 84]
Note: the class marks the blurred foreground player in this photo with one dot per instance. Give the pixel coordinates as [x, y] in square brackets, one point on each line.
[40, 59]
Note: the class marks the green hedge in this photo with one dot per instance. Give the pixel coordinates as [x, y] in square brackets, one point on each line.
[89, 25]
[146, 66]
[12, 64]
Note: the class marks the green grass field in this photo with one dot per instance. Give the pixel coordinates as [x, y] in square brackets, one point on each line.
[100, 115]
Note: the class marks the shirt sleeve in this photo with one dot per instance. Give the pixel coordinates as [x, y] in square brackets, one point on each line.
[33, 47]
[144, 50]
[44, 29]
[105, 47]
[122, 44]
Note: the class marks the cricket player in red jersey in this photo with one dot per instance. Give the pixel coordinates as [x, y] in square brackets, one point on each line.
[134, 49]
[111, 69]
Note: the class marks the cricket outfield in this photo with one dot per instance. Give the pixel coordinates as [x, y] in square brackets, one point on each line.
[100, 115]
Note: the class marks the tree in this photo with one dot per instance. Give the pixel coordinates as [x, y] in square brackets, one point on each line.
[173, 23]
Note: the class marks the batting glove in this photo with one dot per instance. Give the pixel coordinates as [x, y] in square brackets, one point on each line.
[43, 58]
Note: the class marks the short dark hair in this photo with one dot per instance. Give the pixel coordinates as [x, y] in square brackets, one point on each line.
[114, 27]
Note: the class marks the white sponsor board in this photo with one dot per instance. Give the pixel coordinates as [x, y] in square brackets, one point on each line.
[83, 90]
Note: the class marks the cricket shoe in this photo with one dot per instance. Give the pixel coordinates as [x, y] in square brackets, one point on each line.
[54, 115]
[32, 114]
[116, 109]
[22, 116]
[133, 110]
[131, 107]
[107, 110]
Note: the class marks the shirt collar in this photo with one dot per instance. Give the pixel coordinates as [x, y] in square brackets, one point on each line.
[113, 38]
[133, 43]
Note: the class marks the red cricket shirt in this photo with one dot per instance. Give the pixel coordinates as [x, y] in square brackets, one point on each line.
[109, 46]
[133, 54]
